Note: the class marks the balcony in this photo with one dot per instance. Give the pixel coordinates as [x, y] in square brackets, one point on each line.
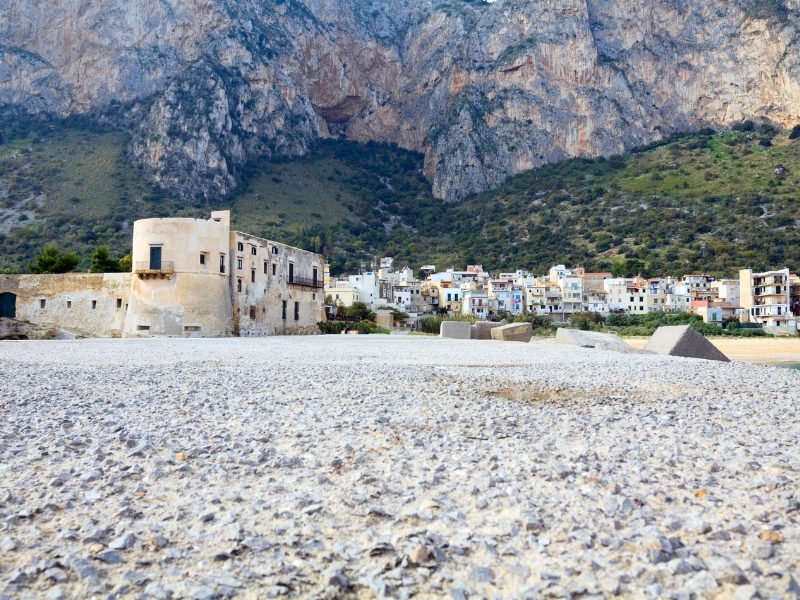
[144, 269]
[309, 282]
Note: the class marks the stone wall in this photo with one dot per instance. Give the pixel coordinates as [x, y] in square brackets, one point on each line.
[83, 304]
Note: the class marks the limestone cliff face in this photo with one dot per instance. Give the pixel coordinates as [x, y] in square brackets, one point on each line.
[485, 90]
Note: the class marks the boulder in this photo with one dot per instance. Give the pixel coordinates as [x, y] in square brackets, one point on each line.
[592, 339]
[482, 330]
[683, 340]
[11, 329]
[515, 332]
[455, 330]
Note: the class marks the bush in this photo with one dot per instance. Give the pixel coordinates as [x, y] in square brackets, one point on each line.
[585, 321]
[332, 327]
[52, 260]
[337, 327]
[103, 263]
[358, 311]
[645, 325]
[795, 133]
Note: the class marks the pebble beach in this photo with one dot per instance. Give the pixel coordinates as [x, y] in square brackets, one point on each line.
[392, 466]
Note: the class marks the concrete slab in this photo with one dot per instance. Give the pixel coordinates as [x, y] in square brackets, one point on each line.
[482, 330]
[455, 330]
[514, 332]
[683, 340]
[592, 339]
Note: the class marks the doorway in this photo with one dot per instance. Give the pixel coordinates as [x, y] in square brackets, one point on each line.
[8, 305]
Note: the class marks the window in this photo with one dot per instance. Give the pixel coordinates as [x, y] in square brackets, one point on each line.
[221, 263]
[314, 277]
[291, 272]
[253, 276]
[253, 312]
[155, 258]
[69, 303]
[238, 285]
[274, 269]
[238, 263]
[240, 246]
[274, 250]
[191, 328]
[42, 302]
[143, 328]
[296, 311]
[283, 313]
[119, 302]
[94, 304]
[253, 250]
[202, 258]
[265, 267]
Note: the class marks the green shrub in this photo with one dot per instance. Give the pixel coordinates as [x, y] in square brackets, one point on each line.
[628, 325]
[332, 327]
[358, 311]
[52, 260]
[337, 327]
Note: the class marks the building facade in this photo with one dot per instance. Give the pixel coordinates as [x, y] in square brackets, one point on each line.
[190, 277]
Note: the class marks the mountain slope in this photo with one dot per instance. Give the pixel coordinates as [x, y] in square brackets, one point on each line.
[484, 91]
[710, 202]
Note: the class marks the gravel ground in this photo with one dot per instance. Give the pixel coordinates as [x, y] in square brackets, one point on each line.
[379, 466]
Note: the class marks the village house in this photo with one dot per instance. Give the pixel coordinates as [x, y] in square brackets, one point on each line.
[766, 300]
[564, 291]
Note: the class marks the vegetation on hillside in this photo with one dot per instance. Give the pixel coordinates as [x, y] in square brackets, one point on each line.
[709, 201]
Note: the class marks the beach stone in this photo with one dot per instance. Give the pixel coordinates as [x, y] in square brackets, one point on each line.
[123, 542]
[482, 330]
[56, 574]
[8, 544]
[83, 568]
[401, 462]
[110, 557]
[514, 332]
[456, 330]
[685, 341]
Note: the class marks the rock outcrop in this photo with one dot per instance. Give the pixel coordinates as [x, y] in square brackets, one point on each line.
[485, 90]
[12, 329]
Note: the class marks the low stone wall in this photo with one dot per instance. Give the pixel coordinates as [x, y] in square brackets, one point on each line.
[83, 304]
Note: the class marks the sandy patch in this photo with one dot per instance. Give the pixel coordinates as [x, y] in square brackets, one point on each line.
[751, 350]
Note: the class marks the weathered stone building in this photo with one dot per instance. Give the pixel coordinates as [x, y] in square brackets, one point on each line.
[190, 277]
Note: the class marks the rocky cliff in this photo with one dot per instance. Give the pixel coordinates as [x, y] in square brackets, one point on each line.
[484, 90]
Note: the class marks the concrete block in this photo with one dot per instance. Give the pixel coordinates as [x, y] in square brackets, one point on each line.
[482, 330]
[683, 340]
[515, 332]
[592, 339]
[384, 318]
[455, 330]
